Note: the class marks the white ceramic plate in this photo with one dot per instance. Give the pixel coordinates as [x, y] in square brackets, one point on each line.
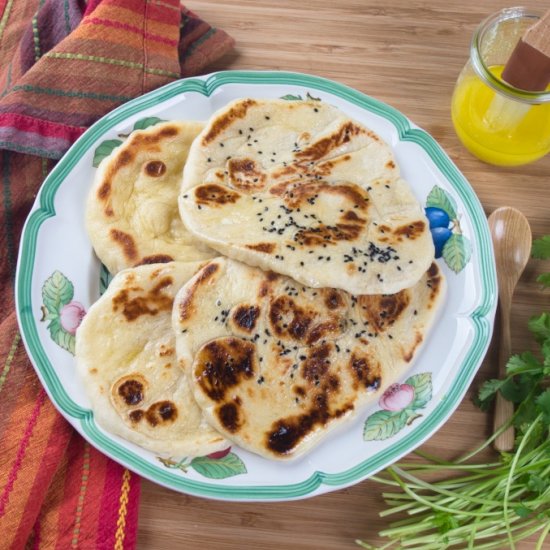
[57, 268]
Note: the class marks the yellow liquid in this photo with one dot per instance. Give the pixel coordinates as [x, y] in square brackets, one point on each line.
[499, 131]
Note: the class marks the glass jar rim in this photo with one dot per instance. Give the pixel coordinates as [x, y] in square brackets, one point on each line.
[483, 71]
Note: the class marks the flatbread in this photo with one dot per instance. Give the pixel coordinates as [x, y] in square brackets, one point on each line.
[125, 356]
[275, 365]
[300, 188]
[132, 214]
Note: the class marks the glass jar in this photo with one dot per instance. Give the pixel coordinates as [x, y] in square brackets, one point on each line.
[496, 122]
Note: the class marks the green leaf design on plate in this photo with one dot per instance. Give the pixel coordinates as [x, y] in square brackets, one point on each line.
[457, 252]
[290, 97]
[219, 468]
[105, 278]
[104, 149]
[60, 336]
[146, 122]
[422, 384]
[384, 424]
[439, 198]
[57, 291]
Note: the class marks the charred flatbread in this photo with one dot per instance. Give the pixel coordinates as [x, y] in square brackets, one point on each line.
[300, 188]
[131, 213]
[125, 356]
[275, 365]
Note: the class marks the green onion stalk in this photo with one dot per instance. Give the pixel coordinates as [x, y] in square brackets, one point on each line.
[483, 505]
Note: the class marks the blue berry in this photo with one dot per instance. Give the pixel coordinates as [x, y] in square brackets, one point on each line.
[440, 236]
[437, 217]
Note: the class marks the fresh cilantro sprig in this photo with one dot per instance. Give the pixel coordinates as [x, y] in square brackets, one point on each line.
[485, 506]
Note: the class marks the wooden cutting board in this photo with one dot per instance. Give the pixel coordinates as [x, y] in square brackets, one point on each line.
[407, 53]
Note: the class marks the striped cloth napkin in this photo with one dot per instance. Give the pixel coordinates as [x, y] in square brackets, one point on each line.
[63, 64]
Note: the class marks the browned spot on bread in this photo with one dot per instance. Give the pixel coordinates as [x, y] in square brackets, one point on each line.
[268, 248]
[334, 299]
[366, 371]
[245, 317]
[109, 212]
[149, 303]
[136, 416]
[328, 234]
[412, 230]
[351, 216]
[316, 365]
[289, 319]
[126, 242]
[186, 307]
[155, 168]
[324, 146]
[433, 283]
[381, 311]
[324, 330]
[245, 174]
[155, 259]
[224, 121]
[222, 364]
[390, 164]
[285, 434]
[213, 194]
[162, 412]
[229, 416]
[104, 190]
[131, 391]
[93, 370]
[165, 351]
[409, 354]
[297, 193]
[124, 158]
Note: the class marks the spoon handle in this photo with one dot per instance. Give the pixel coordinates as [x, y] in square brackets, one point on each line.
[504, 409]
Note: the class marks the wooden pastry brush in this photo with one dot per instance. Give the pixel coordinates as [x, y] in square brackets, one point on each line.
[529, 65]
[528, 69]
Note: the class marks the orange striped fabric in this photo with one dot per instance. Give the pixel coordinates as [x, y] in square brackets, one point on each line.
[63, 64]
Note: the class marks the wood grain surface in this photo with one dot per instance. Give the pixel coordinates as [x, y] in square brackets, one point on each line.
[408, 54]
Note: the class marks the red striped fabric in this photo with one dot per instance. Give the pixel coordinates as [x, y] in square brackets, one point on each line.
[64, 64]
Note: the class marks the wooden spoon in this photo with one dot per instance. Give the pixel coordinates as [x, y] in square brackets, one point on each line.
[512, 239]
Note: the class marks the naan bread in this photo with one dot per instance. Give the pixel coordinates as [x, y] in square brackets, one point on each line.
[132, 213]
[299, 188]
[275, 365]
[125, 355]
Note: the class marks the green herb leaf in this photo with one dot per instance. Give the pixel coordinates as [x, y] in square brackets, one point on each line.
[445, 522]
[104, 149]
[536, 484]
[219, 468]
[488, 390]
[516, 389]
[520, 363]
[457, 252]
[522, 511]
[422, 384]
[541, 248]
[439, 198]
[146, 122]
[543, 403]
[384, 424]
[540, 327]
[544, 279]
[57, 291]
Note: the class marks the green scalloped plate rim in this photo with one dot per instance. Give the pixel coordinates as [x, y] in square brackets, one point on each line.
[82, 418]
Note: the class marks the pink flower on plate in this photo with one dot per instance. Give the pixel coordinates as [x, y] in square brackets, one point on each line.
[397, 397]
[71, 316]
